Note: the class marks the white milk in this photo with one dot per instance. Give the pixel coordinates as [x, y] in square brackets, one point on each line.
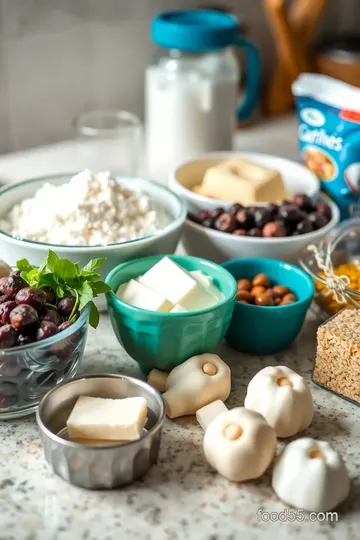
[185, 118]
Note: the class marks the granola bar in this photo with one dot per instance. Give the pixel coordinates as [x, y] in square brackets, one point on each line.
[337, 363]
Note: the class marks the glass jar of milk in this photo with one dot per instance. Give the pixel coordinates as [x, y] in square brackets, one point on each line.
[191, 94]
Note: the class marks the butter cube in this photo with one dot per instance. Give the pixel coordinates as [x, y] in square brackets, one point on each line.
[178, 309]
[242, 181]
[138, 295]
[107, 419]
[207, 282]
[174, 283]
[207, 414]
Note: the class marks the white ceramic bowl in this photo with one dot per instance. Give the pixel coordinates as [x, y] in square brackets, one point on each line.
[165, 241]
[220, 247]
[297, 178]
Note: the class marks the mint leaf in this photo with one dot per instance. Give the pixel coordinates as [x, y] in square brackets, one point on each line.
[94, 316]
[65, 269]
[59, 291]
[92, 265]
[89, 276]
[85, 295]
[24, 276]
[100, 287]
[24, 266]
[48, 280]
[66, 278]
[51, 260]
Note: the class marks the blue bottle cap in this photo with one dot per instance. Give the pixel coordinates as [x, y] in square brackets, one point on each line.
[194, 30]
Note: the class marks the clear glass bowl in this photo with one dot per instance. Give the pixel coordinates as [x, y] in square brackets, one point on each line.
[28, 372]
[345, 241]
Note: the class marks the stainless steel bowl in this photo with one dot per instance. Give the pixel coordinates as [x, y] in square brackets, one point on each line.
[99, 467]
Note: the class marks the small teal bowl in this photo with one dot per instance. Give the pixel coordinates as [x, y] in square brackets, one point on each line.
[260, 330]
[165, 340]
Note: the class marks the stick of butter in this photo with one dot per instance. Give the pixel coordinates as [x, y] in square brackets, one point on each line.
[207, 414]
[137, 294]
[107, 419]
[174, 283]
[242, 181]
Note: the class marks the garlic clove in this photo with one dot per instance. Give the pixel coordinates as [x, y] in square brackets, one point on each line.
[311, 475]
[200, 380]
[284, 399]
[157, 379]
[209, 412]
[5, 269]
[239, 444]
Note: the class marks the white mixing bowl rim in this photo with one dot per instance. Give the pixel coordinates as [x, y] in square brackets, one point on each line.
[335, 216]
[96, 248]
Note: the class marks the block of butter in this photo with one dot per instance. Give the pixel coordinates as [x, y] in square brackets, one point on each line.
[107, 419]
[239, 180]
[138, 295]
[177, 285]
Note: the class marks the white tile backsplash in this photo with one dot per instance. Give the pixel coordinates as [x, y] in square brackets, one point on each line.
[61, 57]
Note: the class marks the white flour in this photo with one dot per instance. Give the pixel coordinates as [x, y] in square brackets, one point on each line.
[92, 209]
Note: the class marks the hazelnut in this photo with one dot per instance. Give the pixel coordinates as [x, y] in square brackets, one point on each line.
[255, 291]
[273, 230]
[264, 300]
[277, 301]
[280, 290]
[244, 284]
[290, 297]
[261, 280]
[244, 296]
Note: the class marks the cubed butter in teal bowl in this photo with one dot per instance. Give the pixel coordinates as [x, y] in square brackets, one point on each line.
[263, 330]
[165, 340]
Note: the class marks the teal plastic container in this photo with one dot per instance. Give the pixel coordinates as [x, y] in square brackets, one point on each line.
[165, 340]
[263, 330]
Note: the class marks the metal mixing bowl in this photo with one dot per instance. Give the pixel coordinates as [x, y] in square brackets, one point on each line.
[99, 467]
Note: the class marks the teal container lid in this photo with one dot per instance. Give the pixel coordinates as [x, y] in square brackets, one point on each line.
[194, 30]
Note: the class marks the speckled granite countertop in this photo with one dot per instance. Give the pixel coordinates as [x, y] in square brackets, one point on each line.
[181, 497]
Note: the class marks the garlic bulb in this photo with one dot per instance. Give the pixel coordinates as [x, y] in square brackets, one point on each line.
[283, 398]
[198, 381]
[239, 444]
[310, 475]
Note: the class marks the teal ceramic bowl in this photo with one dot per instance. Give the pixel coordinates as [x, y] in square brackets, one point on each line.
[165, 340]
[260, 330]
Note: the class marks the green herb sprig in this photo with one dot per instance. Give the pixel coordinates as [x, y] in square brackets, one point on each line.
[66, 278]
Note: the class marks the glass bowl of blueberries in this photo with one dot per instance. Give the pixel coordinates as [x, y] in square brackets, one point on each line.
[43, 331]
